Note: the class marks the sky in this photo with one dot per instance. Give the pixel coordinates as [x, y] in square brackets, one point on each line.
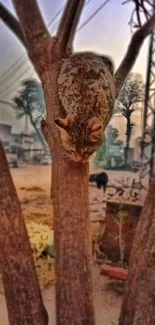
[107, 33]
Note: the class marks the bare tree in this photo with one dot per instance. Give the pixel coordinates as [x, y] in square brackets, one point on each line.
[74, 303]
[131, 94]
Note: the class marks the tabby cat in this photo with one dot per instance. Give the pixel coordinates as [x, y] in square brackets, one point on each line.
[87, 94]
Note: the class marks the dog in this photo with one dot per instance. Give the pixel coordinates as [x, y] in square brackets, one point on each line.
[101, 180]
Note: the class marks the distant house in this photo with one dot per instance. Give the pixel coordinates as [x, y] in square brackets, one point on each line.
[5, 134]
[26, 145]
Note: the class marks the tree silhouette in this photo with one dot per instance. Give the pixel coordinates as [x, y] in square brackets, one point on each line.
[30, 104]
[130, 95]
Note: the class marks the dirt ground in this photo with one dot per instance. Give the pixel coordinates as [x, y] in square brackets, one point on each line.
[33, 187]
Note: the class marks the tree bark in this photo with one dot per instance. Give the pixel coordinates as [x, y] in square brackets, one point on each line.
[21, 287]
[128, 135]
[74, 302]
[138, 307]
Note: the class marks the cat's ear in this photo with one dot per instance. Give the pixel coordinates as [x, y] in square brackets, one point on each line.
[109, 62]
[95, 129]
[94, 124]
[64, 122]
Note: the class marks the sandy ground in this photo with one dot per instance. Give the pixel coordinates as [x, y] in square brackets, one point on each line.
[36, 204]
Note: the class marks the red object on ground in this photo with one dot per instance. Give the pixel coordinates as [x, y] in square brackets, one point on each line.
[115, 272]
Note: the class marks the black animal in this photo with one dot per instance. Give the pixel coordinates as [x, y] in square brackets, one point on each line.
[100, 179]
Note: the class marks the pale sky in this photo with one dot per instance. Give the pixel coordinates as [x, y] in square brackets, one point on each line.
[107, 33]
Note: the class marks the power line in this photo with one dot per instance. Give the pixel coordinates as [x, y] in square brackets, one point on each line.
[57, 22]
[53, 19]
[20, 58]
[88, 19]
[16, 81]
[93, 15]
[15, 88]
[17, 77]
[4, 76]
[12, 74]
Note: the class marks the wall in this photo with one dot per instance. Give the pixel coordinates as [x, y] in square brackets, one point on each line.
[110, 242]
[5, 133]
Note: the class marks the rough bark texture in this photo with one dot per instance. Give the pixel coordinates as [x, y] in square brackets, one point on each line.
[128, 136]
[74, 301]
[22, 292]
[139, 302]
[73, 273]
[69, 21]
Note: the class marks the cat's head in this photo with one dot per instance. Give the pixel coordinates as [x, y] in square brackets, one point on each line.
[80, 139]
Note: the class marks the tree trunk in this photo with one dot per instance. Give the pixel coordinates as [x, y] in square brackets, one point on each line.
[128, 135]
[74, 302]
[21, 287]
[26, 124]
[38, 132]
[139, 302]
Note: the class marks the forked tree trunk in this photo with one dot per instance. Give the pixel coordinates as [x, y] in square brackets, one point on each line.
[74, 303]
[21, 287]
[139, 302]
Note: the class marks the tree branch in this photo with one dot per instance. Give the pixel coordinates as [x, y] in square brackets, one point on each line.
[12, 23]
[33, 26]
[132, 52]
[68, 24]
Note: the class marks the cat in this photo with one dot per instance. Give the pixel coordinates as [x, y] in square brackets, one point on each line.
[100, 179]
[86, 94]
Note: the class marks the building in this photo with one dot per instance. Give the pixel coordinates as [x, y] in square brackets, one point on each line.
[27, 146]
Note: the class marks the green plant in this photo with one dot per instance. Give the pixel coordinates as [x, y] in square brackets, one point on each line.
[100, 155]
[29, 104]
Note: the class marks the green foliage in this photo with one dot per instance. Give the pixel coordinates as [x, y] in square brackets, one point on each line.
[103, 157]
[111, 134]
[119, 143]
[100, 154]
[30, 104]
[30, 100]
